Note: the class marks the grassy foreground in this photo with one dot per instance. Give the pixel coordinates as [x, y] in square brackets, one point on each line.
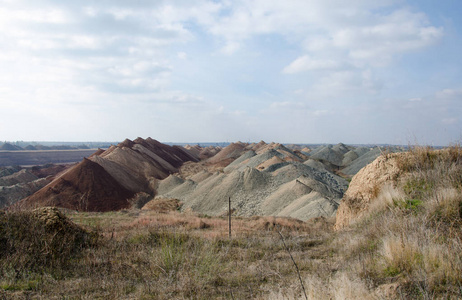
[409, 246]
[147, 255]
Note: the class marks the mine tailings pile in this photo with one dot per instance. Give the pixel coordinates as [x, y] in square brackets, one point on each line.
[268, 179]
[260, 178]
[113, 179]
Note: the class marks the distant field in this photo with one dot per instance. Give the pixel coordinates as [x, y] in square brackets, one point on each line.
[38, 157]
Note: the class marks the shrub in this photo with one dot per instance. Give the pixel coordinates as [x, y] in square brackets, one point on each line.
[39, 240]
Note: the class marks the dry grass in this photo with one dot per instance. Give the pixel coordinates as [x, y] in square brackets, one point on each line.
[33, 243]
[409, 246]
[142, 254]
[413, 235]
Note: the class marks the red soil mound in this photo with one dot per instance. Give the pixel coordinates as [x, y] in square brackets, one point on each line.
[108, 180]
[194, 150]
[98, 152]
[209, 152]
[146, 158]
[258, 146]
[48, 170]
[174, 155]
[127, 143]
[228, 154]
[86, 187]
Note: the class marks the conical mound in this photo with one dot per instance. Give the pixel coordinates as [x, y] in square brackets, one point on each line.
[168, 184]
[183, 190]
[254, 179]
[243, 159]
[86, 187]
[228, 154]
[330, 155]
[285, 195]
[201, 176]
[349, 157]
[272, 161]
[310, 206]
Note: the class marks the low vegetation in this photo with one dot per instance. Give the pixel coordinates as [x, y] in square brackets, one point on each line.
[149, 255]
[409, 245]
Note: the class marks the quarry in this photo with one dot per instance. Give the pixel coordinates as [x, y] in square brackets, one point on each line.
[143, 219]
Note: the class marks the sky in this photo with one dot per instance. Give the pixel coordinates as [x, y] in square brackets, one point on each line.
[292, 71]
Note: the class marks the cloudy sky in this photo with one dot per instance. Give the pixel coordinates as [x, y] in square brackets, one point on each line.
[292, 71]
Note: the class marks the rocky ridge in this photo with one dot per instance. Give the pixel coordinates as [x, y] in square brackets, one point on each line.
[261, 179]
[117, 178]
[264, 179]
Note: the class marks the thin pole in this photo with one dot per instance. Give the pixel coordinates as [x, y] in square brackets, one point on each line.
[229, 215]
[295, 264]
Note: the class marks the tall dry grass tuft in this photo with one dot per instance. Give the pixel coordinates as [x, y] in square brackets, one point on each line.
[412, 235]
[340, 286]
[347, 285]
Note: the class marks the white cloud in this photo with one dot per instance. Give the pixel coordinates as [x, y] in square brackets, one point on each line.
[321, 112]
[344, 84]
[360, 30]
[182, 55]
[296, 110]
[373, 41]
[449, 94]
[306, 63]
[450, 121]
[288, 105]
[90, 11]
[378, 42]
[210, 62]
[84, 41]
[38, 15]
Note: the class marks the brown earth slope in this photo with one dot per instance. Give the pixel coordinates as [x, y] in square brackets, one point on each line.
[228, 154]
[365, 187]
[148, 157]
[25, 182]
[86, 187]
[109, 180]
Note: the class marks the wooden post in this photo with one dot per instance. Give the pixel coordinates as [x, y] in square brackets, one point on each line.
[229, 215]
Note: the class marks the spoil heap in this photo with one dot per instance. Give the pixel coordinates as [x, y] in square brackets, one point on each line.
[17, 183]
[113, 179]
[86, 187]
[265, 179]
